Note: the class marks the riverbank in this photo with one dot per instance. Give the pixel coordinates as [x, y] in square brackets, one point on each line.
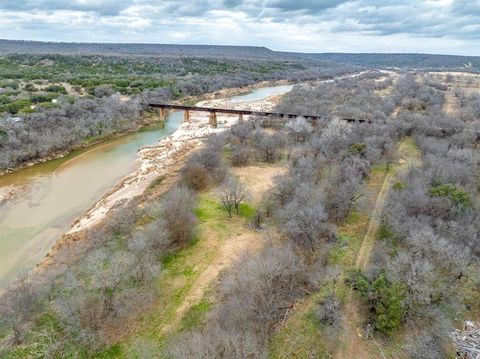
[146, 121]
[86, 145]
[163, 160]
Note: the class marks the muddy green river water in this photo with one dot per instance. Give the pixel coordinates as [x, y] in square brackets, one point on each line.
[56, 192]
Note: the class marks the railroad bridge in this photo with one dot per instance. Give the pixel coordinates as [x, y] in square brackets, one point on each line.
[164, 108]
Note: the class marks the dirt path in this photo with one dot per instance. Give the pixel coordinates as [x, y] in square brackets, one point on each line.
[240, 241]
[374, 224]
[231, 250]
[354, 346]
[450, 104]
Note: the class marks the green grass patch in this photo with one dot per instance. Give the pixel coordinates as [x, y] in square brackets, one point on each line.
[188, 271]
[246, 211]
[409, 149]
[196, 315]
[173, 261]
[350, 235]
[227, 153]
[208, 209]
[340, 249]
[379, 169]
[302, 336]
[112, 352]
[353, 218]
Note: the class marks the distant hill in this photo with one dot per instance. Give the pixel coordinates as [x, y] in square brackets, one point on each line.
[69, 48]
[420, 61]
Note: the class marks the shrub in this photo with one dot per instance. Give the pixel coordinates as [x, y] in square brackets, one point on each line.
[103, 91]
[18, 305]
[305, 220]
[385, 299]
[30, 87]
[240, 156]
[177, 215]
[399, 186]
[211, 160]
[15, 106]
[56, 88]
[195, 176]
[329, 312]
[456, 195]
[358, 149]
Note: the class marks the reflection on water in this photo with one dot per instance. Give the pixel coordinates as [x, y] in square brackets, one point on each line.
[58, 191]
[262, 93]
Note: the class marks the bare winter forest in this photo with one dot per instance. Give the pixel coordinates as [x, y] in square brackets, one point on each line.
[273, 238]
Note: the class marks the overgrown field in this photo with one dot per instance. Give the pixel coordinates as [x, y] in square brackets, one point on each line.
[282, 239]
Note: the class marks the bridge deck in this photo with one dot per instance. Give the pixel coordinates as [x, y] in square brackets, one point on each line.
[242, 112]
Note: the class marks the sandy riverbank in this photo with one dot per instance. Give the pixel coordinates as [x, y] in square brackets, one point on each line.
[164, 159]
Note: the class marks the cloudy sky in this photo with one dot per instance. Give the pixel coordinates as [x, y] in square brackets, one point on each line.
[428, 26]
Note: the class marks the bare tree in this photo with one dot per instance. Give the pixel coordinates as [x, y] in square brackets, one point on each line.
[177, 214]
[305, 220]
[232, 194]
[300, 129]
[18, 305]
[242, 132]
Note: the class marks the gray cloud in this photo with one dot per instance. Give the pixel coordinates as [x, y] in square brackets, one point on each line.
[102, 7]
[306, 6]
[307, 25]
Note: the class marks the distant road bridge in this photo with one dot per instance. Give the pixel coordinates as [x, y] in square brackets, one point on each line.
[163, 108]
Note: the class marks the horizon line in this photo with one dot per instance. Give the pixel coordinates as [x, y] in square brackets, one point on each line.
[238, 46]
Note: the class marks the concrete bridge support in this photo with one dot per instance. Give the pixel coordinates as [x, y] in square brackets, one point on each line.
[213, 119]
[186, 116]
[162, 114]
[240, 118]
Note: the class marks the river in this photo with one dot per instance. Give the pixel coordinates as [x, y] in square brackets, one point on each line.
[57, 192]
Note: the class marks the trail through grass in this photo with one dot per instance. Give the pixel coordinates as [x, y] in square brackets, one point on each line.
[302, 336]
[184, 297]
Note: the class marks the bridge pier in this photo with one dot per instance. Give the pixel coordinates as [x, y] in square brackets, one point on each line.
[240, 118]
[213, 119]
[186, 116]
[162, 113]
